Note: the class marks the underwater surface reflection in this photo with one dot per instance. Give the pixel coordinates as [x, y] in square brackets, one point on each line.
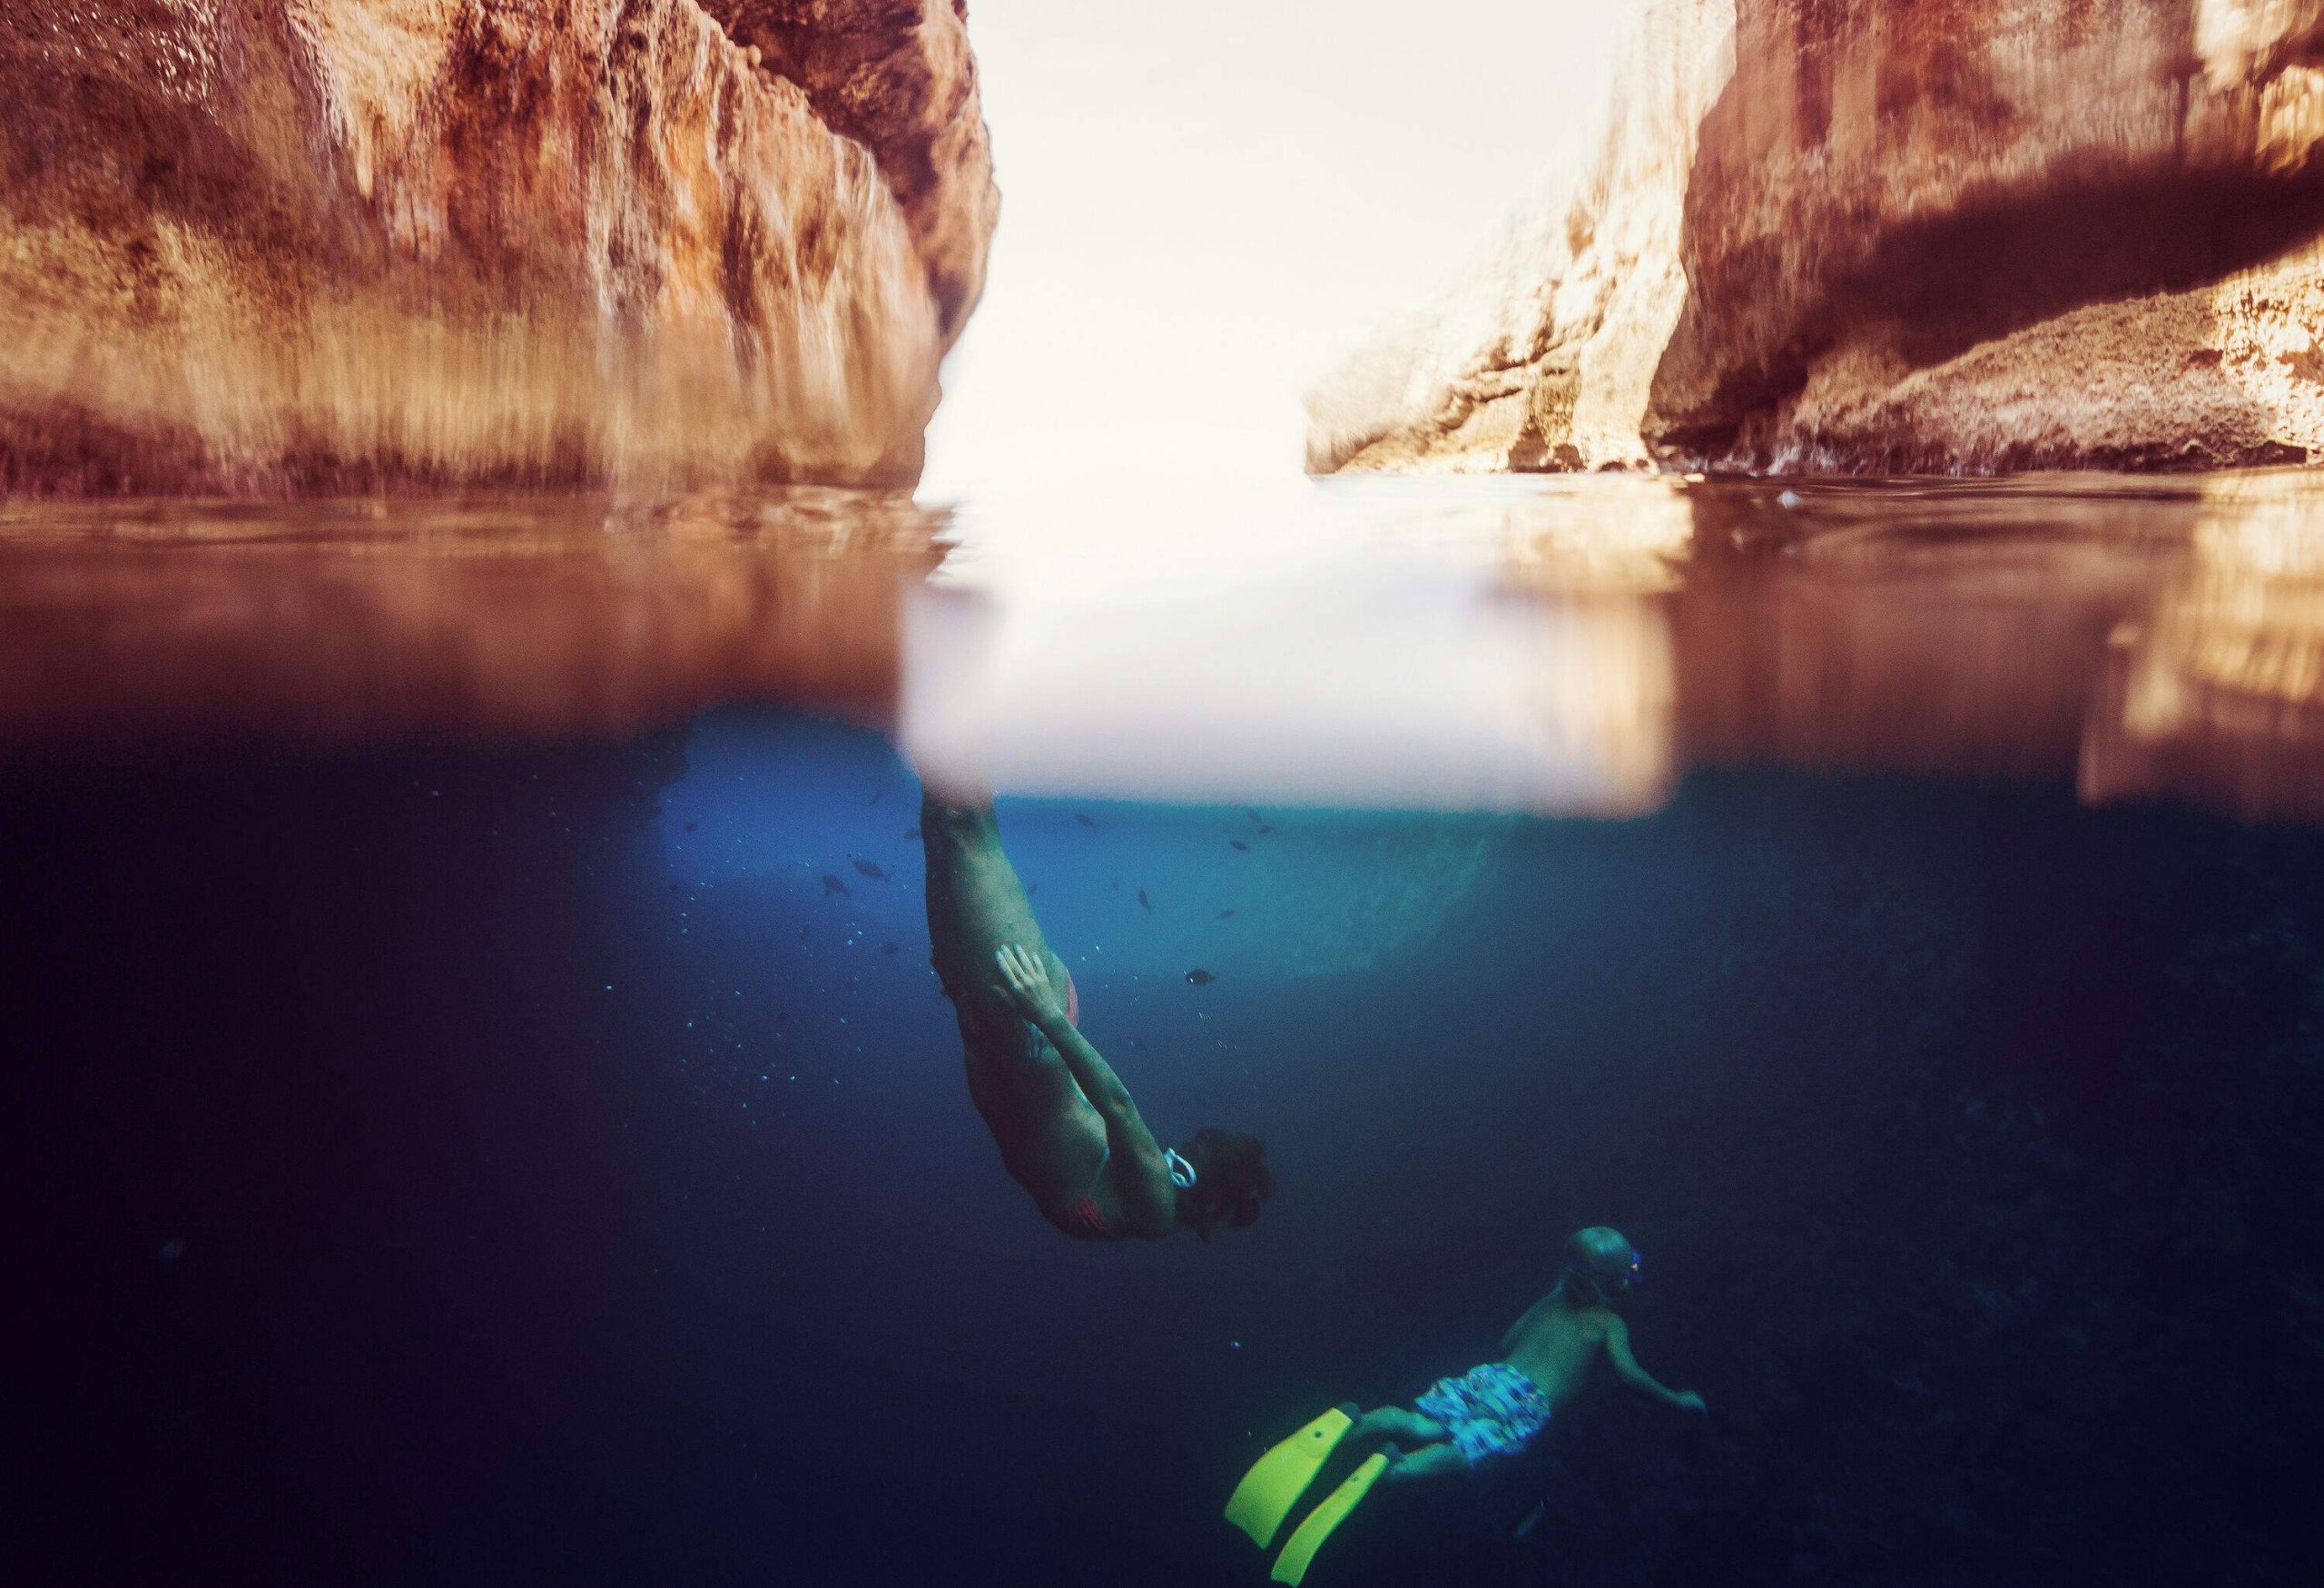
[1553, 645]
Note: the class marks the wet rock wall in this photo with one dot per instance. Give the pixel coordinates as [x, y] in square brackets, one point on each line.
[258, 246]
[1970, 236]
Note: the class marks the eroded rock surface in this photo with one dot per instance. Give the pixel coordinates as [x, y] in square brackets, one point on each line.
[268, 245]
[1955, 235]
[896, 76]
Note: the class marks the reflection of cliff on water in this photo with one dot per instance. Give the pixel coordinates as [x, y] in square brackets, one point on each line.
[1565, 644]
[2218, 693]
[1945, 629]
[2157, 639]
[340, 623]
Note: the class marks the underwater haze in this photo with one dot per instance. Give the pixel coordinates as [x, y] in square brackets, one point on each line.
[487, 1113]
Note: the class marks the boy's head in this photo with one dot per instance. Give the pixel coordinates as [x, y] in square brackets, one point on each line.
[1599, 1264]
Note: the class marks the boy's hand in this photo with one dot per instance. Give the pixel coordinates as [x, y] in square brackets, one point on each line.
[1688, 1401]
[1026, 985]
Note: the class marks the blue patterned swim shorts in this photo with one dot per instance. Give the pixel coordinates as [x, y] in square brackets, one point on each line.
[1494, 1410]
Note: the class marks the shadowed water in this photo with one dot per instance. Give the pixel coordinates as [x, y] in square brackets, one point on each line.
[488, 1114]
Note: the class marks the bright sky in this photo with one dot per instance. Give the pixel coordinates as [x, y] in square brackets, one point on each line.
[1206, 203]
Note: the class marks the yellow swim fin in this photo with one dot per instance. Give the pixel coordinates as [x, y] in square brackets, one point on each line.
[1276, 1480]
[1290, 1565]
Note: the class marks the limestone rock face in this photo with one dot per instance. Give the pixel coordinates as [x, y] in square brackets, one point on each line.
[270, 245]
[1952, 235]
[896, 76]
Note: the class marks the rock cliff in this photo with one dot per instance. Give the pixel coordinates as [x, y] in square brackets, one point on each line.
[1863, 235]
[256, 246]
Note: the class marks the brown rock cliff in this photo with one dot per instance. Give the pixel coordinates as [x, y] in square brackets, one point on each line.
[268, 245]
[1953, 235]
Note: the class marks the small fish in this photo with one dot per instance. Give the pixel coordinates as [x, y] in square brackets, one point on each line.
[1257, 820]
[912, 835]
[1200, 978]
[888, 948]
[1226, 914]
[1144, 901]
[870, 868]
[693, 827]
[1238, 843]
[1083, 817]
[1031, 889]
[875, 798]
[1264, 829]
[831, 884]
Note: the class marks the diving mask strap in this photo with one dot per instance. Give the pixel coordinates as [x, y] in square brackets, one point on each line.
[1182, 1173]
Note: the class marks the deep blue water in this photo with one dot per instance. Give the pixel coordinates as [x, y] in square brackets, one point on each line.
[519, 1166]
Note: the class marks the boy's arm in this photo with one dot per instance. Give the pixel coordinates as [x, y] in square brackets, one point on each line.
[1626, 1368]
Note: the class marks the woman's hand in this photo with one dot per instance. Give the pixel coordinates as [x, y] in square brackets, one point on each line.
[1025, 983]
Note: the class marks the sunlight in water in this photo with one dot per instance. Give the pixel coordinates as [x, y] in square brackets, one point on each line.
[1447, 649]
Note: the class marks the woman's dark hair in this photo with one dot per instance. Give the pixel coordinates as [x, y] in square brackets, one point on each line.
[1231, 1179]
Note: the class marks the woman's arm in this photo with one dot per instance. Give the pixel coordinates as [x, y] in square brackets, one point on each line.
[1025, 983]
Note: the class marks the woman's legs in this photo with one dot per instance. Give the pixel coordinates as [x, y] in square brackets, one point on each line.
[1052, 1140]
[976, 905]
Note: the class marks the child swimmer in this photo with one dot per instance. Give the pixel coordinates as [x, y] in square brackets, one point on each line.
[1488, 1412]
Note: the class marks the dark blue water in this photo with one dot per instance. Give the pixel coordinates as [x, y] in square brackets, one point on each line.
[511, 1165]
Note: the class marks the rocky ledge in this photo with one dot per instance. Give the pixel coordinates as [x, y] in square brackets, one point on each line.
[262, 246]
[1899, 236]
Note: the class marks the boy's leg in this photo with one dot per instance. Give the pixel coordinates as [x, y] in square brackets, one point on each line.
[1396, 1424]
[1424, 1449]
[1435, 1461]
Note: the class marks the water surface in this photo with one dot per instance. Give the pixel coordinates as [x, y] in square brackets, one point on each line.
[470, 1141]
[1555, 645]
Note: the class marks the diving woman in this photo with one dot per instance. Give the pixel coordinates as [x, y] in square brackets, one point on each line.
[1068, 1128]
